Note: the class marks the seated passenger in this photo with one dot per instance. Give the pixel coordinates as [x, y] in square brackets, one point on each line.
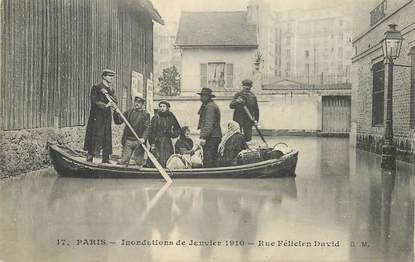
[232, 143]
[184, 145]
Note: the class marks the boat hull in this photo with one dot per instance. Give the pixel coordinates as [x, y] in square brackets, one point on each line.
[67, 165]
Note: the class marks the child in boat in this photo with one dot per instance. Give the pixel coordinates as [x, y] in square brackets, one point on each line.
[232, 143]
[184, 145]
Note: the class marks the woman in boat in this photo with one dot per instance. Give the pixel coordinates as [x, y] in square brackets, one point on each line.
[232, 143]
[184, 145]
[164, 127]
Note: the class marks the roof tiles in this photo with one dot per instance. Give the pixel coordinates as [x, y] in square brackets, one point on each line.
[215, 29]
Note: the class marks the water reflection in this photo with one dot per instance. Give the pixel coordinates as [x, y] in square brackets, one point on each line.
[331, 199]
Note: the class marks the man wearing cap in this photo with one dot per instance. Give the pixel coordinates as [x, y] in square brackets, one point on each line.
[241, 99]
[209, 125]
[139, 119]
[98, 130]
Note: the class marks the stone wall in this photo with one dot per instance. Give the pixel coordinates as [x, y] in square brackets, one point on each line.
[26, 150]
[285, 111]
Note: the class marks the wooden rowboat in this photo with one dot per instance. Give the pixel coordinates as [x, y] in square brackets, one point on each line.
[70, 163]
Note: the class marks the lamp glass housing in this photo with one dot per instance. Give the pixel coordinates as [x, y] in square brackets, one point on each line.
[392, 43]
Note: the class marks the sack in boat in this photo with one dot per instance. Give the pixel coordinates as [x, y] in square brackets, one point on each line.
[197, 158]
[177, 161]
[249, 156]
[278, 151]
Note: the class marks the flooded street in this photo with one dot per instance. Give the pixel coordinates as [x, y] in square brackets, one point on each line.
[339, 207]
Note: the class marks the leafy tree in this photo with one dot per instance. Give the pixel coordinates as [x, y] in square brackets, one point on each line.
[169, 82]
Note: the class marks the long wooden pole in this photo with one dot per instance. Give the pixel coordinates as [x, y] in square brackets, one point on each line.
[256, 127]
[150, 155]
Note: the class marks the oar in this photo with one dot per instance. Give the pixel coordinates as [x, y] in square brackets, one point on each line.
[256, 127]
[150, 155]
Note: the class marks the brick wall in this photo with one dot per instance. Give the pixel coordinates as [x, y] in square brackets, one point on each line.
[368, 52]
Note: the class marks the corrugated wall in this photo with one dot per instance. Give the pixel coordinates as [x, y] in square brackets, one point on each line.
[53, 51]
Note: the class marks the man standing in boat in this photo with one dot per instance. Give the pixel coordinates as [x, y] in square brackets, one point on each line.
[140, 122]
[242, 99]
[98, 130]
[209, 125]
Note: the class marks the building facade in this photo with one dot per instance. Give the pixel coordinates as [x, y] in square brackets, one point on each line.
[217, 51]
[313, 46]
[370, 80]
[165, 54]
[260, 14]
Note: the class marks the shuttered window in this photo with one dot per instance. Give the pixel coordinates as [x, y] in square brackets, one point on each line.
[217, 76]
[229, 76]
[378, 93]
[203, 75]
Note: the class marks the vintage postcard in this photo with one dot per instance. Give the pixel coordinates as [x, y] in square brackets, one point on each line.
[221, 130]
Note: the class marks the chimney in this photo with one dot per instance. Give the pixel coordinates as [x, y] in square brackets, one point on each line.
[252, 12]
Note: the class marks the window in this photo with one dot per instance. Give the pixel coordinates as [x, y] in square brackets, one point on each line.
[307, 69]
[307, 54]
[216, 75]
[412, 114]
[288, 53]
[378, 71]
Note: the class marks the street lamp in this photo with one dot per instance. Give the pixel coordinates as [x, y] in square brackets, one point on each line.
[391, 47]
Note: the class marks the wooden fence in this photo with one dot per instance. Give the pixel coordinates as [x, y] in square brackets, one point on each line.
[53, 51]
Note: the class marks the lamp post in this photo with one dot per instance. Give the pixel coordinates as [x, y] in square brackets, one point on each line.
[391, 47]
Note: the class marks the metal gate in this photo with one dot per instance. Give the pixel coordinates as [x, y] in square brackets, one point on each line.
[336, 114]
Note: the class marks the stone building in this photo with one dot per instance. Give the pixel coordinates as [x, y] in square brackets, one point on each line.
[261, 15]
[221, 56]
[165, 54]
[369, 80]
[313, 46]
[217, 50]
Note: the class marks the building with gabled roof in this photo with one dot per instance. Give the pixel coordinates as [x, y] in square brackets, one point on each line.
[222, 29]
[217, 50]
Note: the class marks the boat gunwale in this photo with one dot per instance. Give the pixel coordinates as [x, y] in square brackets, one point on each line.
[200, 171]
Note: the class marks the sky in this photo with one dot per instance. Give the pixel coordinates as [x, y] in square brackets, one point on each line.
[170, 9]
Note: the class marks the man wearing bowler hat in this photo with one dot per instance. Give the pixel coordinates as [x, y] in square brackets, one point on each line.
[139, 120]
[245, 98]
[209, 125]
[98, 130]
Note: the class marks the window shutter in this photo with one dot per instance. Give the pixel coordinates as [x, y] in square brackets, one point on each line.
[229, 76]
[203, 75]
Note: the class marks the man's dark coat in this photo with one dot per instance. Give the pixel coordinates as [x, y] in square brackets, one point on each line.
[98, 130]
[239, 115]
[209, 121]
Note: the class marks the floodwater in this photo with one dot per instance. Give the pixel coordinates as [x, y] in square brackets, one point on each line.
[340, 207]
